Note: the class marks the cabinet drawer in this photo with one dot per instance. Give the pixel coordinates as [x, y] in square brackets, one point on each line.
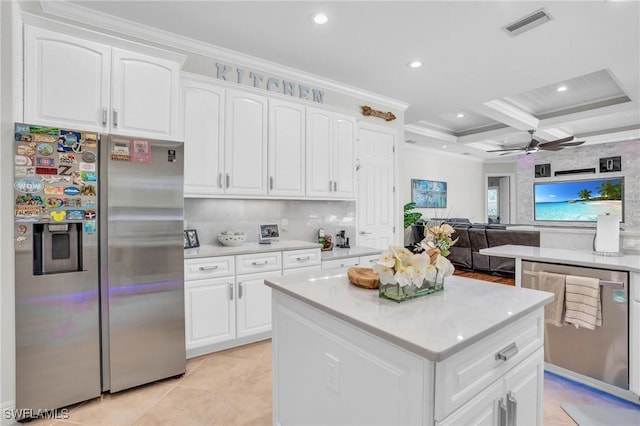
[300, 258]
[252, 263]
[339, 263]
[368, 261]
[208, 267]
[465, 374]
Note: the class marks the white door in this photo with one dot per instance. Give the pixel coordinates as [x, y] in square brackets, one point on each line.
[144, 96]
[525, 384]
[343, 165]
[505, 201]
[318, 153]
[245, 143]
[286, 148]
[203, 105]
[66, 81]
[209, 311]
[254, 303]
[375, 177]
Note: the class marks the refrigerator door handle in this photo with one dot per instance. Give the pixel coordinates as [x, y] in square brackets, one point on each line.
[104, 116]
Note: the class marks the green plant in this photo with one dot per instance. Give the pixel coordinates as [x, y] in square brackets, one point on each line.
[410, 217]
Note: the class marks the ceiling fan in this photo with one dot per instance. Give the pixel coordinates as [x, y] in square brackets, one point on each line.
[535, 145]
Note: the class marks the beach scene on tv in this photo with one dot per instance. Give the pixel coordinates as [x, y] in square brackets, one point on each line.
[578, 201]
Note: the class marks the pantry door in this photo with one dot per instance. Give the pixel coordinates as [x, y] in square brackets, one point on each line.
[375, 179]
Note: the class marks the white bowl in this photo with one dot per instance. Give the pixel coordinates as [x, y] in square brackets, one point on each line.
[232, 239]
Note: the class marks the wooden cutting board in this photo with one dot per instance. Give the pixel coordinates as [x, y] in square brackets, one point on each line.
[363, 277]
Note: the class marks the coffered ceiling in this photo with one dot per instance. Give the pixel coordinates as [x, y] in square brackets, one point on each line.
[479, 87]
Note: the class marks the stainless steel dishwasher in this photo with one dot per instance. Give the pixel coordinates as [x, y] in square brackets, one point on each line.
[601, 354]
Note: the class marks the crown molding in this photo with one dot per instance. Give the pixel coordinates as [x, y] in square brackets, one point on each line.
[508, 114]
[66, 10]
[431, 133]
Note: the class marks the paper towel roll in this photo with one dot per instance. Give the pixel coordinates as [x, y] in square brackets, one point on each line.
[607, 234]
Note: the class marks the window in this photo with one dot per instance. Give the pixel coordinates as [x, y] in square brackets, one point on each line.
[492, 203]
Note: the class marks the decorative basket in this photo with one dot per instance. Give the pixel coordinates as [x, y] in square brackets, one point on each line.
[232, 239]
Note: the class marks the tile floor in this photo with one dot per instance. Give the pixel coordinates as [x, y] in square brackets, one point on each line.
[233, 387]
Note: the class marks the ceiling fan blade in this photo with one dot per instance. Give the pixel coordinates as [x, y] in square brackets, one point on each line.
[508, 153]
[552, 148]
[567, 139]
[508, 149]
[576, 143]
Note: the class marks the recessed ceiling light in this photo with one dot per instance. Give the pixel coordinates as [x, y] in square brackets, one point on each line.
[561, 88]
[460, 115]
[415, 64]
[444, 146]
[320, 18]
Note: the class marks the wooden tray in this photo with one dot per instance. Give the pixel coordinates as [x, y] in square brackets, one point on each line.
[363, 277]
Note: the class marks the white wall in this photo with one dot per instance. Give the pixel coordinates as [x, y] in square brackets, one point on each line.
[464, 177]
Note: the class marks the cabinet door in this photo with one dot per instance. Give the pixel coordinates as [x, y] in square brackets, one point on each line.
[524, 386]
[318, 147]
[66, 81]
[286, 148]
[245, 143]
[209, 311]
[482, 410]
[343, 164]
[254, 303]
[203, 136]
[144, 96]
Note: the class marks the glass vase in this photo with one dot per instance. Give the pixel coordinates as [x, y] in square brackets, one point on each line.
[398, 293]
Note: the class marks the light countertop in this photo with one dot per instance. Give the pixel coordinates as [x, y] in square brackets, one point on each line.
[343, 253]
[435, 326]
[247, 248]
[627, 262]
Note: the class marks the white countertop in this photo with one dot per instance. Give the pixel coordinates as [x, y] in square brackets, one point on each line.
[435, 326]
[247, 248]
[343, 253]
[626, 262]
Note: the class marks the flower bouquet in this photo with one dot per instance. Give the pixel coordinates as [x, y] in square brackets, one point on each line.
[405, 275]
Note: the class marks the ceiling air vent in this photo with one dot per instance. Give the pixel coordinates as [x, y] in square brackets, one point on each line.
[538, 17]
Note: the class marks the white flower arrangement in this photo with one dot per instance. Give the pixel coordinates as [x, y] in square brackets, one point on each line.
[399, 265]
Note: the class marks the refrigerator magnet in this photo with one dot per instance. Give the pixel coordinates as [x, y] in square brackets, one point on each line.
[90, 226]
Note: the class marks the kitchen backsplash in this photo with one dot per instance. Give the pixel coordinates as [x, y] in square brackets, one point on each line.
[298, 220]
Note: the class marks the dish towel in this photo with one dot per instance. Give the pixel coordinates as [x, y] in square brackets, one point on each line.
[553, 283]
[582, 300]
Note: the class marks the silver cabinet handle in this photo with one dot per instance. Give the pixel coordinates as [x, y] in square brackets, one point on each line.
[303, 258]
[259, 263]
[372, 260]
[335, 186]
[365, 233]
[512, 409]
[115, 118]
[239, 290]
[208, 268]
[230, 291]
[270, 182]
[502, 413]
[219, 180]
[330, 186]
[228, 179]
[104, 116]
[507, 352]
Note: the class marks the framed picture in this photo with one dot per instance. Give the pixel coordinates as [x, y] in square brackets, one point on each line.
[191, 239]
[429, 193]
[268, 232]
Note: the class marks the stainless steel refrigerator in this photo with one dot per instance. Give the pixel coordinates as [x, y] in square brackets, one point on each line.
[99, 264]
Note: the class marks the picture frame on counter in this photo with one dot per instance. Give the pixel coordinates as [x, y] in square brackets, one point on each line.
[191, 238]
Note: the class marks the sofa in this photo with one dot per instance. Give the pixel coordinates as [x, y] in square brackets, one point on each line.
[465, 254]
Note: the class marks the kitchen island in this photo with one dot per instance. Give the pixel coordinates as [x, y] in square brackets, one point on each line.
[342, 355]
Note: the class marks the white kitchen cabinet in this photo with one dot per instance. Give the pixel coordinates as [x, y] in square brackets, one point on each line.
[202, 107]
[245, 144]
[253, 304]
[210, 311]
[286, 149]
[339, 263]
[80, 84]
[330, 167]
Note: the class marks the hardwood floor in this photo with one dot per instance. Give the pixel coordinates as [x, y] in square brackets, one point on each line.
[485, 277]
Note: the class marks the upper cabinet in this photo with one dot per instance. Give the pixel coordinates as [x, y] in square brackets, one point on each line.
[73, 82]
[286, 149]
[330, 141]
[245, 143]
[202, 107]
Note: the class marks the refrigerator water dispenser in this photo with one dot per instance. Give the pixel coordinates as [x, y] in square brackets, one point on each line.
[57, 248]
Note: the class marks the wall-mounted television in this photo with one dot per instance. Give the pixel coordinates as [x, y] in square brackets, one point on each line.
[578, 200]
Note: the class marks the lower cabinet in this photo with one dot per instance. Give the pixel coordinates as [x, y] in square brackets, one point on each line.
[364, 261]
[226, 301]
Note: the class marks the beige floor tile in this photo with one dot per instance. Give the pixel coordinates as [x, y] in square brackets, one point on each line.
[188, 406]
[250, 351]
[248, 409]
[259, 382]
[220, 373]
